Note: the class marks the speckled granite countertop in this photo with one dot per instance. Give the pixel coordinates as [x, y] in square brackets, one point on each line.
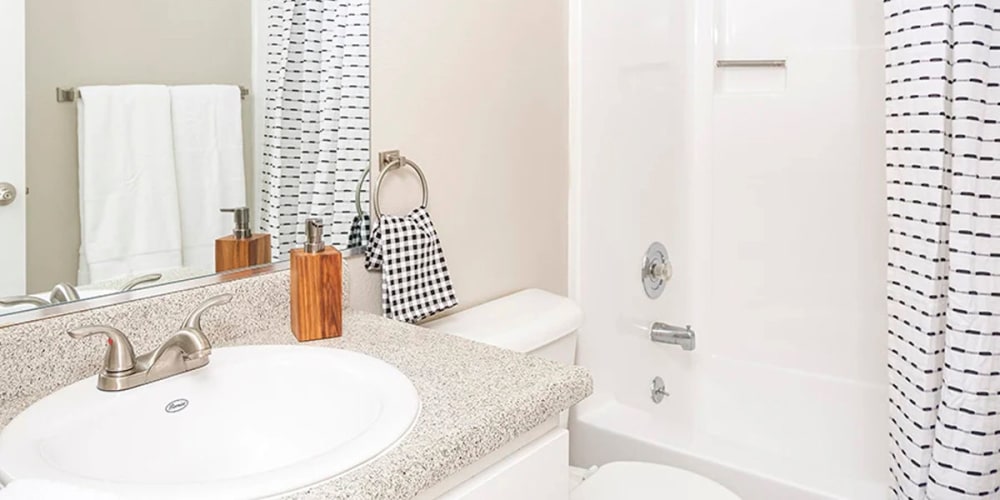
[475, 398]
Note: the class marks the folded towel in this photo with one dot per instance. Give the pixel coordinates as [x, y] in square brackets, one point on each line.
[129, 215]
[415, 279]
[41, 489]
[208, 157]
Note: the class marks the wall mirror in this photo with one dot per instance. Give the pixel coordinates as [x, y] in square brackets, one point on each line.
[127, 127]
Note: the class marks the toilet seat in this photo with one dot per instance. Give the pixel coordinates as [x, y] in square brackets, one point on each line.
[646, 481]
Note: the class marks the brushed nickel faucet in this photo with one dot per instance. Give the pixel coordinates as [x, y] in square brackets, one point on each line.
[64, 292]
[186, 350]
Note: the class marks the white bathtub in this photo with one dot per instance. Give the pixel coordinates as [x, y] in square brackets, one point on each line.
[763, 432]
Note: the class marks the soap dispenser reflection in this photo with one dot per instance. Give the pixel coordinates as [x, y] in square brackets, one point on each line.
[241, 249]
[316, 287]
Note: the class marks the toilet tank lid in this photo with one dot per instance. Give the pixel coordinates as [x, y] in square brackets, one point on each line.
[522, 322]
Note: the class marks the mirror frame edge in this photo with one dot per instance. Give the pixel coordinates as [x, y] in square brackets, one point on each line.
[114, 299]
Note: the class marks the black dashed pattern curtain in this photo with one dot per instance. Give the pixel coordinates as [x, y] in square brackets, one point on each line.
[943, 125]
[316, 146]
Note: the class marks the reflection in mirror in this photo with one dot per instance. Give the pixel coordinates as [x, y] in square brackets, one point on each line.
[171, 139]
[317, 119]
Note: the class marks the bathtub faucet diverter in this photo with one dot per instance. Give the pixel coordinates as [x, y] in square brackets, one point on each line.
[663, 333]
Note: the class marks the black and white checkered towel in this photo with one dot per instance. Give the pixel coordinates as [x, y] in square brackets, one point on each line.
[415, 280]
[361, 227]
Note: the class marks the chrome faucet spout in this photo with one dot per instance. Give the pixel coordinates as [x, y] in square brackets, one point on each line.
[663, 333]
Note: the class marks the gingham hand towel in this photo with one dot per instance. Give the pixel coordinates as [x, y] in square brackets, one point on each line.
[361, 227]
[415, 280]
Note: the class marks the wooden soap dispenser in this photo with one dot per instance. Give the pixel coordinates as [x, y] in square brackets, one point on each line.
[241, 249]
[317, 288]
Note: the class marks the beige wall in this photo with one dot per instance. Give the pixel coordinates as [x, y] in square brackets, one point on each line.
[80, 42]
[476, 92]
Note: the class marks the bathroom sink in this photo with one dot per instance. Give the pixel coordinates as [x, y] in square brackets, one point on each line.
[256, 422]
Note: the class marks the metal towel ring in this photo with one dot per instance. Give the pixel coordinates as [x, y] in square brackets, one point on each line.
[394, 162]
[357, 192]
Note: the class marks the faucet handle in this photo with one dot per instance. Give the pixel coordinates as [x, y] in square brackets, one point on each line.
[193, 321]
[141, 280]
[120, 357]
[63, 292]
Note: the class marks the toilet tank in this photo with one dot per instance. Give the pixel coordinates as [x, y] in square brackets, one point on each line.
[530, 321]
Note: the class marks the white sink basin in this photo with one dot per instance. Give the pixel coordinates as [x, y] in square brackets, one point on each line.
[256, 422]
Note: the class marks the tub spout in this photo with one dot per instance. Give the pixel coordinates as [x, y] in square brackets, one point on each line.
[663, 333]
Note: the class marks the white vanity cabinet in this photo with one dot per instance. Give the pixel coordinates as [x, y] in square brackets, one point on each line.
[532, 467]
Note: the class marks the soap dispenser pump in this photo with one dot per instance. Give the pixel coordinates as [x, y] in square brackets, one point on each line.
[316, 288]
[241, 249]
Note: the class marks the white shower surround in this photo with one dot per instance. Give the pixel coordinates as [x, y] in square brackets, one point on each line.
[768, 187]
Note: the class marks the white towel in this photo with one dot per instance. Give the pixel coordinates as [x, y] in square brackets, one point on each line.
[208, 153]
[40, 489]
[129, 216]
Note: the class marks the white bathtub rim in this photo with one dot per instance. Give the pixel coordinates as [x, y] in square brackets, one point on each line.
[589, 413]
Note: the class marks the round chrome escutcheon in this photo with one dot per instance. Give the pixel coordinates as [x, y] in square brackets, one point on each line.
[656, 270]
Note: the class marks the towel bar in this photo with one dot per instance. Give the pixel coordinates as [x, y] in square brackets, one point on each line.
[72, 94]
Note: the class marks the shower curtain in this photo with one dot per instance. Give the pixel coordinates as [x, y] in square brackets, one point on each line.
[316, 121]
[943, 141]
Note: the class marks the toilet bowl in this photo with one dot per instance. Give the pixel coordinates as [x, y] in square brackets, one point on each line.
[544, 324]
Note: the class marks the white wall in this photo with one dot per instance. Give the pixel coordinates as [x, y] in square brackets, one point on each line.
[767, 186]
